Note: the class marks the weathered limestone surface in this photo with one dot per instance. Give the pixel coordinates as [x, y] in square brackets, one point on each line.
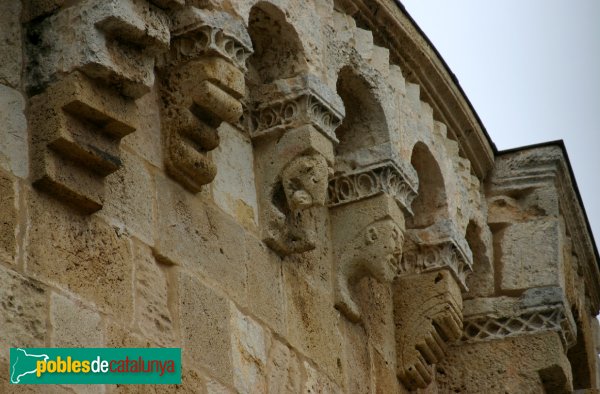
[9, 222]
[22, 311]
[296, 193]
[11, 45]
[74, 325]
[13, 144]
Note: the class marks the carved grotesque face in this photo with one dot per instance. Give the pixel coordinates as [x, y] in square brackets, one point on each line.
[305, 181]
[383, 249]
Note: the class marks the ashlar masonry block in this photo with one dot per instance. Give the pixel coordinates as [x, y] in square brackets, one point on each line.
[154, 293]
[23, 311]
[283, 369]
[9, 221]
[73, 325]
[249, 353]
[200, 238]
[13, 134]
[531, 254]
[205, 327]
[80, 254]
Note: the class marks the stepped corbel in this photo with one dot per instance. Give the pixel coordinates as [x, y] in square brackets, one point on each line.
[202, 82]
[292, 123]
[428, 300]
[84, 81]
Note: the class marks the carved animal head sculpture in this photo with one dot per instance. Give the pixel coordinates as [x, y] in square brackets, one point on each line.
[374, 251]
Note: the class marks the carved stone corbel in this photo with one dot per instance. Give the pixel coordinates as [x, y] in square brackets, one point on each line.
[76, 128]
[115, 41]
[202, 82]
[428, 315]
[292, 123]
[368, 240]
[85, 79]
[428, 300]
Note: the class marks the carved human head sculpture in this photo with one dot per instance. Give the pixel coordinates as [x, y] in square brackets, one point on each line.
[303, 185]
[374, 251]
[304, 181]
[381, 249]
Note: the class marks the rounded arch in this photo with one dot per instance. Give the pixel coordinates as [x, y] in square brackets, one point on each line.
[365, 123]
[431, 203]
[278, 52]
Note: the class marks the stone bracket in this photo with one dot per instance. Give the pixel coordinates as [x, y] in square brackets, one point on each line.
[76, 127]
[112, 40]
[294, 186]
[428, 316]
[201, 86]
[292, 126]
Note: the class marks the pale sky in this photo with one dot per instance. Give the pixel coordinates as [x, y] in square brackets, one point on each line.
[531, 69]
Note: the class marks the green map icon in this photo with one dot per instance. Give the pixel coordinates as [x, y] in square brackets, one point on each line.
[23, 364]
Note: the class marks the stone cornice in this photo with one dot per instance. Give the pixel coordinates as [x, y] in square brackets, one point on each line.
[536, 311]
[393, 28]
[548, 165]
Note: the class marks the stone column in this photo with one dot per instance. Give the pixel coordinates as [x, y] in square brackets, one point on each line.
[292, 123]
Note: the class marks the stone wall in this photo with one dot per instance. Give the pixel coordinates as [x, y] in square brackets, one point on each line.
[300, 204]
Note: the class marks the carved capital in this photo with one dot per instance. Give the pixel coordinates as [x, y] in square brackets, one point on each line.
[536, 311]
[386, 177]
[199, 33]
[428, 316]
[292, 103]
[76, 127]
[435, 247]
[201, 86]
